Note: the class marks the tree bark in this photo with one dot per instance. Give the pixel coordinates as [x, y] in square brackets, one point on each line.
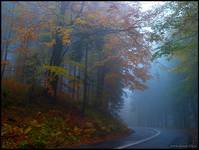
[85, 81]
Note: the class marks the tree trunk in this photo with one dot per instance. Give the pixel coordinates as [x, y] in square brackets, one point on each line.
[78, 86]
[85, 82]
[7, 43]
[74, 82]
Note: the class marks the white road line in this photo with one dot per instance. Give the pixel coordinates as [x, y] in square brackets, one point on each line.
[140, 141]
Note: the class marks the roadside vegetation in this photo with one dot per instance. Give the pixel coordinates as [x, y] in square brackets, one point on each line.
[42, 125]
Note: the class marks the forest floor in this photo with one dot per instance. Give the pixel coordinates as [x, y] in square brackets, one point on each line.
[43, 125]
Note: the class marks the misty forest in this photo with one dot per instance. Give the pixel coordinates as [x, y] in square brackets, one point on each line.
[81, 73]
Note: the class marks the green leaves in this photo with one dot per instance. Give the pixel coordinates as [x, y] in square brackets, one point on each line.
[179, 41]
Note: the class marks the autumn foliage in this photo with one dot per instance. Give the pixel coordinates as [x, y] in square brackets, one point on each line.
[84, 53]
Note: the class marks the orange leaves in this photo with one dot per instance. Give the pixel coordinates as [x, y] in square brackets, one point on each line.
[26, 33]
[94, 18]
[14, 84]
[4, 62]
[137, 85]
[88, 132]
[62, 125]
[104, 20]
[133, 57]
[89, 129]
[113, 41]
[32, 35]
[8, 130]
[141, 73]
[77, 131]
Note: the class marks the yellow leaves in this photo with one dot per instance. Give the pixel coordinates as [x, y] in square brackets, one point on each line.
[50, 44]
[59, 71]
[65, 35]
[65, 39]
[80, 21]
[56, 69]
[8, 129]
[27, 130]
[64, 32]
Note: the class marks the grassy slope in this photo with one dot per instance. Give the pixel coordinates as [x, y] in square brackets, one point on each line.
[41, 125]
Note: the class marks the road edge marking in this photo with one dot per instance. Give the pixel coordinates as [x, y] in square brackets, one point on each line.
[140, 141]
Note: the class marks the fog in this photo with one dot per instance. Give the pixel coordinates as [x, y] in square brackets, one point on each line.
[157, 106]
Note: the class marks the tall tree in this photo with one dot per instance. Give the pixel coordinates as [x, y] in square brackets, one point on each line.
[177, 32]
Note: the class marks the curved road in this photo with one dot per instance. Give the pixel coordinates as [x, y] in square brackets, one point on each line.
[148, 138]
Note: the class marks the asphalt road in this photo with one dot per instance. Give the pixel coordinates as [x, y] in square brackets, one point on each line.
[148, 138]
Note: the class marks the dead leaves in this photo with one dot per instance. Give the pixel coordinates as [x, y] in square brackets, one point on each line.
[6, 129]
[10, 131]
[55, 129]
[77, 130]
[27, 130]
[35, 123]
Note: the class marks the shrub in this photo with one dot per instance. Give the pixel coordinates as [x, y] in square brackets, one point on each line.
[14, 91]
[23, 144]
